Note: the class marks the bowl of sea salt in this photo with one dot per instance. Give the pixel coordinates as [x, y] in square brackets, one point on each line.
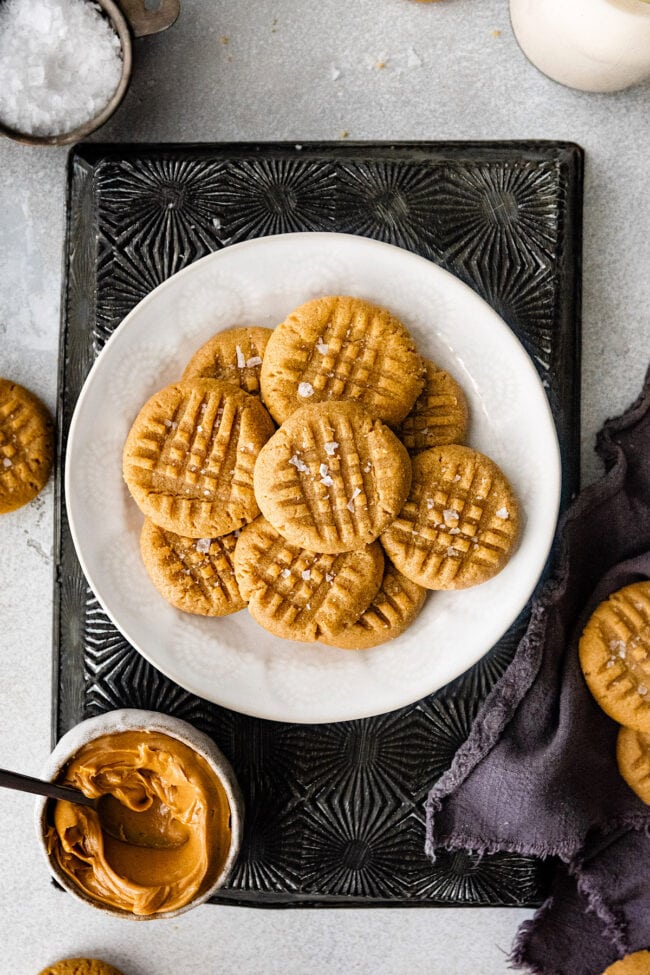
[65, 65]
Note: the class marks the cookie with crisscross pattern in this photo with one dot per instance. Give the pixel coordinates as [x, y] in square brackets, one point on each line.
[342, 348]
[234, 355]
[633, 757]
[189, 457]
[196, 575]
[440, 414]
[460, 523]
[332, 478]
[391, 612]
[615, 656]
[26, 446]
[300, 595]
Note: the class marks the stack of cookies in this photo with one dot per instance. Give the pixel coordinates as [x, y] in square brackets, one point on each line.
[316, 473]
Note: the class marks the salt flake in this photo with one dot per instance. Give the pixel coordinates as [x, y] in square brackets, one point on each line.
[305, 390]
[254, 360]
[502, 513]
[6, 462]
[355, 494]
[241, 358]
[306, 574]
[322, 346]
[331, 447]
[203, 545]
[299, 464]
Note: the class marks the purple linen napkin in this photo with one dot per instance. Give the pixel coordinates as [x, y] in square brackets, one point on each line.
[538, 774]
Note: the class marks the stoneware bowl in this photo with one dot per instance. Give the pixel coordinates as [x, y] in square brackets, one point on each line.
[135, 720]
[128, 18]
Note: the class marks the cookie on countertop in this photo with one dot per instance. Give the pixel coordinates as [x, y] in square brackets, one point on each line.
[638, 963]
[439, 416]
[342, 348]
[460, 523]
[633, 758]
[80, 966]
[196, 575]
[188, 459]
[332, 478]
[615, 656]
[234, 355]
[300, 595]
[26, 446]
[390, 613]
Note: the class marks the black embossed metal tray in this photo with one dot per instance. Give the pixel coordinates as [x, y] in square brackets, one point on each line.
[334, 813]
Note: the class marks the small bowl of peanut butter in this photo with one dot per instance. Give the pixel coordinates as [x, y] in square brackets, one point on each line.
[175, 823]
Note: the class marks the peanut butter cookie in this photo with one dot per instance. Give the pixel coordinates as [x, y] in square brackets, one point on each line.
[189, 456]
[391, 612]
[615, 656]
[460, 523]
[26, 446]
[342, 348]
[80, 966]
[301, 595]
[332, 478]
[195, 575]
[439, 416]
[234, 356]
[633, 757]
[638, 963]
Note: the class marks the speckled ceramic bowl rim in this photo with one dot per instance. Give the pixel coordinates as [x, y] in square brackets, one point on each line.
[130, 719]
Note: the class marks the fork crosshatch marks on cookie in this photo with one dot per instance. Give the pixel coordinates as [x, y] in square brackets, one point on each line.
[505, 218]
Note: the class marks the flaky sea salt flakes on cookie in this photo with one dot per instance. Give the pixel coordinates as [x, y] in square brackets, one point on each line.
[332, 478]
[234, 355]
[342, 348]
[301, 595]
[196, 575]
[391, 612]
[439, 416]
[189, 457]
[460, 523]
[615, 656]
[26, 446]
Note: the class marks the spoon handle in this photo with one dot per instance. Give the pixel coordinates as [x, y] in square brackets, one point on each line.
[37, 787]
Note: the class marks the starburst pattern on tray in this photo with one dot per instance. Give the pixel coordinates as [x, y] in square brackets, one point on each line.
[275, 196]
[333, 812]
[469, 878]
[493, 213]
[368, 761]
[390, 201]
[360, 853]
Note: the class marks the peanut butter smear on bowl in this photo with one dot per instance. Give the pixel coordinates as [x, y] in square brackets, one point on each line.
[177, 794]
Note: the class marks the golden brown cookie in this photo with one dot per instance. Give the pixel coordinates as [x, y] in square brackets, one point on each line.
[460, 523]
[26, 446]
[637, 963]
[391, 612]
[615, 656]
[195, 575]
[189, 456]
[301, 595]
[633, 757]
[341, 348]
[234, 356]
[332, 478]
[440, 414]
[80, 966]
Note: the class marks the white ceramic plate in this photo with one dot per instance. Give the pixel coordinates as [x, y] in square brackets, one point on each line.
[232, 661]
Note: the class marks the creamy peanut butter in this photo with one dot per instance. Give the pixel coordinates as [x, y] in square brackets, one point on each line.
[173, 797]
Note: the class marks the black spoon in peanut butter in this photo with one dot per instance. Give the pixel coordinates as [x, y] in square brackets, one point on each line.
[150, 827]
